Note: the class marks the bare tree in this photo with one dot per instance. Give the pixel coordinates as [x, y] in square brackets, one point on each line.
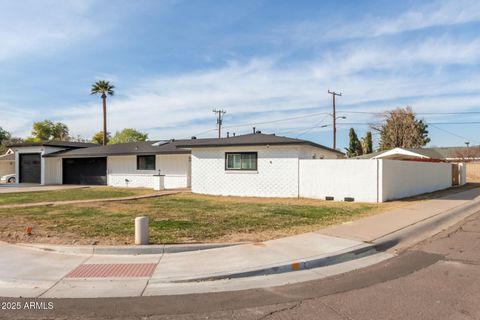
[401, 129]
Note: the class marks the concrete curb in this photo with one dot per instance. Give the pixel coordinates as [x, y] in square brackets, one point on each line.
[125, 250]
[397, 241]
[404, 238]
[304, 264]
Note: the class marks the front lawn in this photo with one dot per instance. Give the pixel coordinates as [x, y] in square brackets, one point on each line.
[70, 194]
[180, 218]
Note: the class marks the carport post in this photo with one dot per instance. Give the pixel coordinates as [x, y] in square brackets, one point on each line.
[141, 230]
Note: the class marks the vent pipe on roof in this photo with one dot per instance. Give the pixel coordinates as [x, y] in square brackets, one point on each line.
[253, 130]
[234, 134]
[193, 138]
[228, 134]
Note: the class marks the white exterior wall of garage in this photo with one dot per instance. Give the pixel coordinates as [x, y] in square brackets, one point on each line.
[175, 168]
[122, 171]
[49, 170]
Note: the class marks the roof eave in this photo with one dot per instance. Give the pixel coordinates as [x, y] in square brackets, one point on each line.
[219, 145]
[93, 155]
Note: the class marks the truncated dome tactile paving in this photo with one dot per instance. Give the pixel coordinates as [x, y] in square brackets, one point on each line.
[127, 270]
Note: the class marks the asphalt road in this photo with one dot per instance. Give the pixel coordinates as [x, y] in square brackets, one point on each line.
[437, 279]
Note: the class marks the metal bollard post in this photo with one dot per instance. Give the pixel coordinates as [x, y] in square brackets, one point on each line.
[141, 230]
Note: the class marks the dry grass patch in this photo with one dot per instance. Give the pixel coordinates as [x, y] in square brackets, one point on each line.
[186, 218]
[181, 218]
[70, 194]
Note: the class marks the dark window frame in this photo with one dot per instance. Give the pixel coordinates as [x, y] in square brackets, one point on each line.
[241, 154]
[146, 156]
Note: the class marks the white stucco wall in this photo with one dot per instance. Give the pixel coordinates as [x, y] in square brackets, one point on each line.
[371, 180]
[175, 167]
[402, 179]
[339, 179]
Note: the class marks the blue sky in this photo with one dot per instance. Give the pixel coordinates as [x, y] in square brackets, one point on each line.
[172, 62]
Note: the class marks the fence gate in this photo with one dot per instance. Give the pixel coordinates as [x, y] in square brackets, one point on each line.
[455, 174]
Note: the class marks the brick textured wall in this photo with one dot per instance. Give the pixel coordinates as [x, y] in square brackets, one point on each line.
[277, 174]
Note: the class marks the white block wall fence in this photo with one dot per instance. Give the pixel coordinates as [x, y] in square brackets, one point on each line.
[339, 179]
[371, 180]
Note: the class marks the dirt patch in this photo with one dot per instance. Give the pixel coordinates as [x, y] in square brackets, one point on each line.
[187, 218]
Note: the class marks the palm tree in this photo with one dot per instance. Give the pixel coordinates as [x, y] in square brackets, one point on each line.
[104, 88]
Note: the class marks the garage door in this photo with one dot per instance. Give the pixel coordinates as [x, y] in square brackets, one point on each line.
[85, 171]
[30, 168]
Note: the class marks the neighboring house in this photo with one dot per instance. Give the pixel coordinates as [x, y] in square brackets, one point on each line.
[254, 164]
[446, 154]
[7, 163]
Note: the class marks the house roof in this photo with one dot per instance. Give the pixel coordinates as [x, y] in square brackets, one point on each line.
[141, 147]
[8, 157]
[253, 139]
[65, 144]
[181, 146]
[441, 153]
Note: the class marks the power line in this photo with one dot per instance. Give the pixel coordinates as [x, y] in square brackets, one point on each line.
[452, 133]
[351, 123]
[311, 128]
[277, 120]
[420, 113]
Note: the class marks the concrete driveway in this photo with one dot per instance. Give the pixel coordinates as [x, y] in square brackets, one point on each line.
[27, 187]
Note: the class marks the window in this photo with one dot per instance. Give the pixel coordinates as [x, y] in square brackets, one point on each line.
[241, 161]
[145, 162]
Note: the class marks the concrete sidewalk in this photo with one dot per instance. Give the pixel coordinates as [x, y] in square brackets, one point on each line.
[35, 273]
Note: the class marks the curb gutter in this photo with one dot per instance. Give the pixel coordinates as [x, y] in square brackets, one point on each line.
[396, 241]
[127, 250]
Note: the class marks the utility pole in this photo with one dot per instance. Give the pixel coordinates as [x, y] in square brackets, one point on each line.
[334, 115]
[219, 114]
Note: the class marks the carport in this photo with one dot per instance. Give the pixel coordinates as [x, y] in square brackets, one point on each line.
[90, 171]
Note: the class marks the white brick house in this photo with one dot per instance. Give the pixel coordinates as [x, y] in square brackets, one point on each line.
[271, 171]
[254, 165]
[260, 165]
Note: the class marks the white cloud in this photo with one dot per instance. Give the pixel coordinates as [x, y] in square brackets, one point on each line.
[42, 27]
[373, 74]
[426, 15]
[261, 90]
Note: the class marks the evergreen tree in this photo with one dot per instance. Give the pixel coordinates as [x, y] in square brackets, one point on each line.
[354, 147]
[367, 143]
